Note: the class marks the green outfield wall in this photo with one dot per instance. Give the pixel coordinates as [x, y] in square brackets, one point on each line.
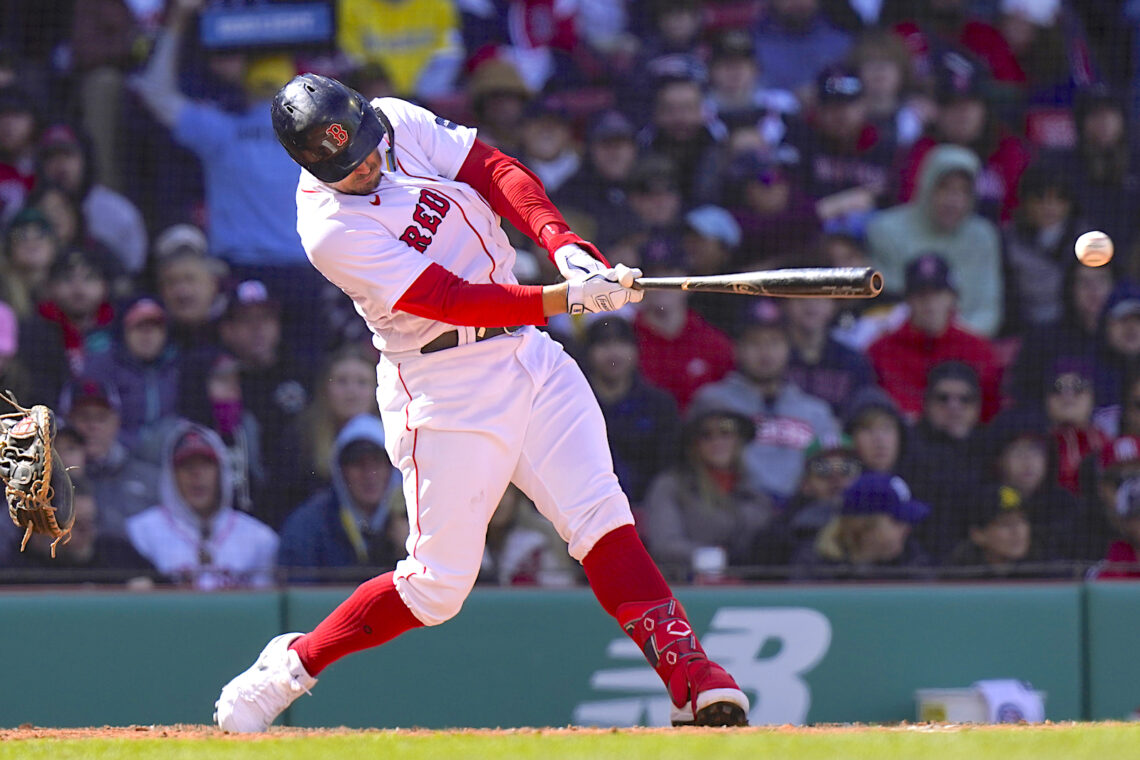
[522, 657]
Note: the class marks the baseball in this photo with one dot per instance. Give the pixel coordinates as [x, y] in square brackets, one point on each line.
[1094, 249]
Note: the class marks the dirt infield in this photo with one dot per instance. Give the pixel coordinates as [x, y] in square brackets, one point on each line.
[192, 731]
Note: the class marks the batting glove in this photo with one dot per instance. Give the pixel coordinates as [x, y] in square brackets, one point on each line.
[608, 290]
[574, 261]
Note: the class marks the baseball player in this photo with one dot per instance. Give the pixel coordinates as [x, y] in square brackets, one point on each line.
[400, 208]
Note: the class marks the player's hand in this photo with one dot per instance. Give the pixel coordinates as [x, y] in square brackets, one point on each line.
[608, 290]
[575, 261]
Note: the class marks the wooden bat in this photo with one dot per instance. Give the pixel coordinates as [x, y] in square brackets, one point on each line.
[814, 282]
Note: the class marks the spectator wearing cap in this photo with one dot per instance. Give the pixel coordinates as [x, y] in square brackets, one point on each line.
[77, 302]
[189, 285]
[680, 130]
[417, 42]
[786, 417]
[902, 359]
[110, 219]
[1001, 540]
[871, 537]
[1122, 559]
[821, 365]
[877, 429]
[710, 242]
[679, 350]
[942, 218]
[89, 556]
[1102, 165]
[1118, 347]
[830, 467]
[966, 118]
[1024, 459]
[193, 534]
[1037, 248]
[142, 366]
[795, 42]
[30, 249]
[599, 188]
[944, 451]
[707, 501]
[274, 385]
[843, 158]
[548, 147]
[642, 422]
[1074, 335]
[499, 97]
[884, 66]
[735, 89]
[124, 484]
[18, 130]
[774, 214]
[354, 522]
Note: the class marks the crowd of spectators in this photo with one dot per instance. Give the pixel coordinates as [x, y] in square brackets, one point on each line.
[216, 396]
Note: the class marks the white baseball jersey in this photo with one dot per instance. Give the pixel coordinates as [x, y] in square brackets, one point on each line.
[462, 423]
[375, 246]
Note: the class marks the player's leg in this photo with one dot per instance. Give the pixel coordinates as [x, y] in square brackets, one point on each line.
[566, 469]
[453, 480]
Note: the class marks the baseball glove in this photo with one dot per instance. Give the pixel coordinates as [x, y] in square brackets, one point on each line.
[36, 484]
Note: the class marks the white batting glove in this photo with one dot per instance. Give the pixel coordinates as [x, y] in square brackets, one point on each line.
[575, 261]
[607, 290]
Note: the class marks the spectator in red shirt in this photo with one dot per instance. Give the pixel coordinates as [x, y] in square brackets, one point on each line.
[902, 359]
[679, 350]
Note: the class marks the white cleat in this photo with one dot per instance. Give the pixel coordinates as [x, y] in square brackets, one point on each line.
[252, 701]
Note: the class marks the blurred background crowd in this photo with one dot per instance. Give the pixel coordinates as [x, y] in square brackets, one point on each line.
[980, 419]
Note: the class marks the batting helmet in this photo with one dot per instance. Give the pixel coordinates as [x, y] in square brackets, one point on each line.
[327, 127]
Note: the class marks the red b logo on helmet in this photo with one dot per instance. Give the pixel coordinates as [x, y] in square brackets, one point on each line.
[337, 133]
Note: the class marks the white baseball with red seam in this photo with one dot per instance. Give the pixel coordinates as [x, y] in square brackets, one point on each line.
[1094, 249]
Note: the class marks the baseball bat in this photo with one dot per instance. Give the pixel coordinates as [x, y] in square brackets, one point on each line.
[813, 282]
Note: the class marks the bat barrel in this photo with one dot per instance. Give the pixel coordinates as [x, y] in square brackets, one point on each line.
[807, 282]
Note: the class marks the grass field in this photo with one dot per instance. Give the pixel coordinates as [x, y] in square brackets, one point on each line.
[1071, 741]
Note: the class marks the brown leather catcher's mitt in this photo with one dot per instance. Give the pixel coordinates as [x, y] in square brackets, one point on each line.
[36, 485]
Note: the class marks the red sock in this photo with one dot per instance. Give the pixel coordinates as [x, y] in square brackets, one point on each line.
[374, 613]
[620, 571]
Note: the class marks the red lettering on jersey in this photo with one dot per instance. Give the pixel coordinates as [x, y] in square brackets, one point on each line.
[416, 239]
[337, 133]
[429, 222]
[435, 202]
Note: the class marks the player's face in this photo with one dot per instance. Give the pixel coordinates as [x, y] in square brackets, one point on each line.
[363, 179]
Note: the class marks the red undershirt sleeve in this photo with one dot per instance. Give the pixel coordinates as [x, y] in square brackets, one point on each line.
[443, 296]
[518, 196]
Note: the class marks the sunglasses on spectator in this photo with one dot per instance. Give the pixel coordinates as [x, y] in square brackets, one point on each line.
[1071, 385]
[845, 467]
[945, 397]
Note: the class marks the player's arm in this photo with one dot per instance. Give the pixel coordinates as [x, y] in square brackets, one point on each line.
[516, 194]
[445, 297]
